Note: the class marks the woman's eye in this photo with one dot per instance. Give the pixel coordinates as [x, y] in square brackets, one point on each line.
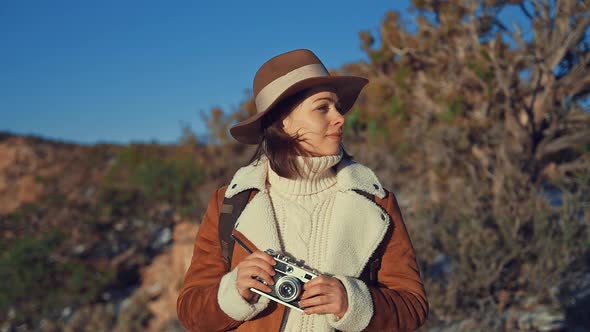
[323, 108]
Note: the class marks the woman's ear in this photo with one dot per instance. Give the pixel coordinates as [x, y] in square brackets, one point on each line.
[286, 122]
[288, 118]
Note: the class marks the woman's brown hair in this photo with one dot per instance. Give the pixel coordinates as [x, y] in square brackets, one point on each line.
[280, 148]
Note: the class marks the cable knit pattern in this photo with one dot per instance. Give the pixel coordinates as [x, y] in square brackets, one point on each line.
[303, 207]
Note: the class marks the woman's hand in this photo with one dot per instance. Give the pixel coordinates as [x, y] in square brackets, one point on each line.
[324, 295]
[258, 264]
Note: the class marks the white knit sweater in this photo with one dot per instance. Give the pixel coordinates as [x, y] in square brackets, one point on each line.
[302, 209]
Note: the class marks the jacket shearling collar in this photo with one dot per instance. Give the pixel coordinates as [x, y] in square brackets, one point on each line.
[350, 175]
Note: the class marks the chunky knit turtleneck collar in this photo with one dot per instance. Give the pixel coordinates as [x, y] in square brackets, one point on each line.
[318, 176]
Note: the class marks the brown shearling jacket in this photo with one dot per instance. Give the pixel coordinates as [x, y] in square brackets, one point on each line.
[360, 230]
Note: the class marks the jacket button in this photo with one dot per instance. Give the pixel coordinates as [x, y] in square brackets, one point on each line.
[234, 186]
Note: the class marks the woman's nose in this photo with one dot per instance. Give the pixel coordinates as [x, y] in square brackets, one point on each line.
[338, 119]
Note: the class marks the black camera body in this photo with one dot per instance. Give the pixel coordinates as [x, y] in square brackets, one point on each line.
[289, 279]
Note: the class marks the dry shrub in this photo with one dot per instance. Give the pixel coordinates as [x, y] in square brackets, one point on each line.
[483, 131]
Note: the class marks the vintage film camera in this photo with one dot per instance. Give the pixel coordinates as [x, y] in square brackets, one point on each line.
[289, 279]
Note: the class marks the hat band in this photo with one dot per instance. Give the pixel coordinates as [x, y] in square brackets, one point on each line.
[272, 90]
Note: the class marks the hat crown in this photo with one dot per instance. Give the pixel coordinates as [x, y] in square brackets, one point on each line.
[282, 64]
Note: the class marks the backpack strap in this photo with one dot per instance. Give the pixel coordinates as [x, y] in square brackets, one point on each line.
[228, 215]
[374, 264]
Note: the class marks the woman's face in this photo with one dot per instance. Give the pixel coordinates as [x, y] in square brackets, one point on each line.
[317, 121]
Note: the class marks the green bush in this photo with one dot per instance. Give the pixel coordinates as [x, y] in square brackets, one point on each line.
[156, 175]
[352, 121]
[36, 281]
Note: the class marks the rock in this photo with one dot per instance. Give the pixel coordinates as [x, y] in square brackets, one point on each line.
[79, 249]
[161, 280]
[29, 190]
[441, 266]
[134, 315]
[66, 312]
[541, 318]
[106, 296]
[466, 325]
[89, 192]
[138, 223]
[98, 317]
[166, 211]
[19, 165]
[48, 326]
[172, 325]
[576, 300]
[120, 226]
[7, 156]
[162, 239]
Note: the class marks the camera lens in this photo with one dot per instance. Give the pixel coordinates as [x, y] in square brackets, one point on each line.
[288, 288]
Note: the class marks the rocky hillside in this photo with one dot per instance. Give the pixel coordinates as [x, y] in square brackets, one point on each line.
[96, 237]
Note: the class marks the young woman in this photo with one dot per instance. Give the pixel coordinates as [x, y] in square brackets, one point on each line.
[309, 200]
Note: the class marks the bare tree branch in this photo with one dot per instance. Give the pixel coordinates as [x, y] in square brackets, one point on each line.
[562, 143]
[525, 11]
[566, 41]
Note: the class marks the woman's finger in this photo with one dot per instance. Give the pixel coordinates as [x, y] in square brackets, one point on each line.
[253, 283]
[263, 256]
[326, 295]
[264, 267]
[321, 279]
[259, 262]
[315, 301]
[314, 290]
[251, 272]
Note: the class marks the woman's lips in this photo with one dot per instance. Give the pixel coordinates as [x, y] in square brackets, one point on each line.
[335, 136]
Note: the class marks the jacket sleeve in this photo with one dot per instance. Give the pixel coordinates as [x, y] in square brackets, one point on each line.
[399, 298]
[197, 305]
[360, 306]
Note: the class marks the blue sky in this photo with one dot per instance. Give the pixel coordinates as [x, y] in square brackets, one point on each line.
[123, 71]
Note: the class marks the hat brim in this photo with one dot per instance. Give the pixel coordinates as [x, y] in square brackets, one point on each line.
[348, 89]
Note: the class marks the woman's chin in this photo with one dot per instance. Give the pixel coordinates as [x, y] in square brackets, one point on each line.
[331, 149]
[332, 152]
